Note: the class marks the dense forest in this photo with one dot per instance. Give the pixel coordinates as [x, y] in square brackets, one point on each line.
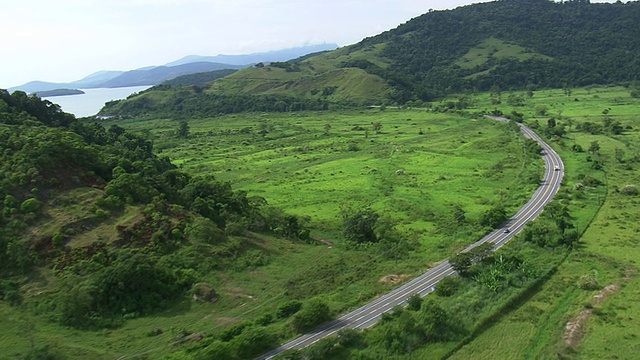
[582, 44]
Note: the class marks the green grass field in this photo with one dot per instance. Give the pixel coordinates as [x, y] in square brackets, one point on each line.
[418, 166]
[414, 170]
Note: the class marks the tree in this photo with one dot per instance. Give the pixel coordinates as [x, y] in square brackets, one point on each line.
[30, 205]
[414, 302]
[183, 129]
[594, 148]
[448, 286]
[542, 233]
[312, 314]
[463, 261]
[494, 217]
[551, 123]
[516, 116]
[359, 228]
[377, 126]
[541, 110]
[287, 309]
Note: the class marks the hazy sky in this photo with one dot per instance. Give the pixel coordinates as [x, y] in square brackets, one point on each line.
[65, 40]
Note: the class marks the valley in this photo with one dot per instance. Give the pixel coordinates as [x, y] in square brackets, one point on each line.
[220, 215]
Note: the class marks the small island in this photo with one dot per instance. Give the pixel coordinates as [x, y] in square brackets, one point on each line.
[59, 92]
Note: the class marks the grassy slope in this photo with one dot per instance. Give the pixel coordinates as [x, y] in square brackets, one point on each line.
[299, 156]
[607, 252]
[494, 49]
[314, 75]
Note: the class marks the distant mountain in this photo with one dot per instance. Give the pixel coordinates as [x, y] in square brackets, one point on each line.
[94, 80]
[249, 59]
[39, 86]
[505, 45]
[97, 78]
[153, 75]
[159, 74]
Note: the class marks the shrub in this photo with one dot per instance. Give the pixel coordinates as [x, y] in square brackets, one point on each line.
[629, 190]
[359, 228]
[58, 240]
[587, 282]
[287, 309]
[110, 202]
[30, 206]
[312, 314]
[447, 286]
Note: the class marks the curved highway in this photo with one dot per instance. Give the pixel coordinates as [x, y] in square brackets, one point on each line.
[370, 313]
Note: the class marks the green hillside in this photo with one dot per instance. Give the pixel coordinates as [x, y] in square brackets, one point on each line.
[510, 45]
[218, 219]
[97, 230]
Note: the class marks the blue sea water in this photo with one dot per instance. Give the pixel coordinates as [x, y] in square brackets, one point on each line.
[89, 103]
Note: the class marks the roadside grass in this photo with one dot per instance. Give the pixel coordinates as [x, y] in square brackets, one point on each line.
[607, 250]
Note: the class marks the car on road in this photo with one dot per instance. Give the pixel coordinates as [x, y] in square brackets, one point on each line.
[506, 230]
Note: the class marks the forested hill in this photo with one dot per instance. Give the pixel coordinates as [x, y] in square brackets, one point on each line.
[509, 44]
[113, 226]
[513, 44]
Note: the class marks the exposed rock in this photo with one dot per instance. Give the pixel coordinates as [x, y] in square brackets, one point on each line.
[393, 279]
[204, 292]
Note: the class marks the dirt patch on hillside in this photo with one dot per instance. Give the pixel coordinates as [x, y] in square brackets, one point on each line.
[238, 292]
[393, 279]
[602, 295]
[575, 328]
[324, 241]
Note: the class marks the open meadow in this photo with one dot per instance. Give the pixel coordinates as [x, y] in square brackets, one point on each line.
[429, 176]
[413, 166]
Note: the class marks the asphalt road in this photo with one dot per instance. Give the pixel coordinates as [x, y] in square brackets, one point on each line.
[422, 285]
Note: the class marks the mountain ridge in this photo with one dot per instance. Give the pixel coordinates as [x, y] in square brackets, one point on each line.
[254, 58]
[190, 64]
